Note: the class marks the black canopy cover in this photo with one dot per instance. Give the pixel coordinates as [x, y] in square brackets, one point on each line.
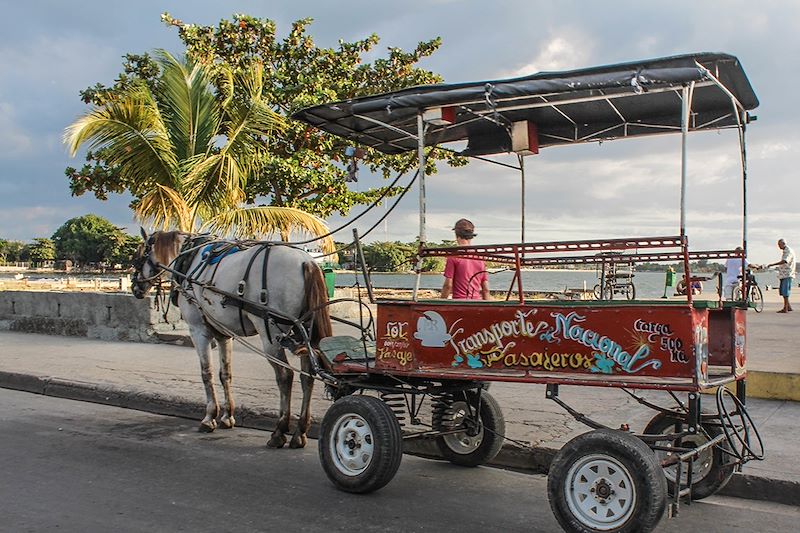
[592, 104]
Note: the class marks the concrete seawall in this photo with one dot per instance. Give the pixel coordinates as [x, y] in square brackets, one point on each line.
[105, 316]
[108, 316]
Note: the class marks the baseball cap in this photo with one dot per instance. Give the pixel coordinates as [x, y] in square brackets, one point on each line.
[465, 229]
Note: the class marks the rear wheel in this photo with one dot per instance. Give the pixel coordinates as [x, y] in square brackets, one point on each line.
[361, 444]
[630, 292]
[598, 293]
[709, 471]
[737, 293]
[606, 480]
[483, 429]
[756, 298]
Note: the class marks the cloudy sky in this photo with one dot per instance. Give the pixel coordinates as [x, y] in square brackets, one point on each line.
[52, 49]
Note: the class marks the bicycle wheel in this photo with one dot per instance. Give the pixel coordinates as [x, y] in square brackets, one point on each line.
[756, 298]
[737, 293]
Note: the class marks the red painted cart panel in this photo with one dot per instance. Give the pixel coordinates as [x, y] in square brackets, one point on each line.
[609, 343]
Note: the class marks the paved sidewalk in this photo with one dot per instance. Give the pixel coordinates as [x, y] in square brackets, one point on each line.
[166, 379]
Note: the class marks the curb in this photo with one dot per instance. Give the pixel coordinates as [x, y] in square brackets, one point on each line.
[530, 460]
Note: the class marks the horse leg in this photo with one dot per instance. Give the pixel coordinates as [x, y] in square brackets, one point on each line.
[227, 421]
[299, 438]
[284, 377]
[202, 343]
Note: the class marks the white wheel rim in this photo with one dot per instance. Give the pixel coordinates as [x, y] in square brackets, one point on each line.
[463, 443]
[599, 492]
[701, 465]
[351, 445]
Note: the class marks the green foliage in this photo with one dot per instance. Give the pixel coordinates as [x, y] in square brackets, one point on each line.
[42, 250]
[90, 239]
[301, 168]
[389, 256]
[12, 251]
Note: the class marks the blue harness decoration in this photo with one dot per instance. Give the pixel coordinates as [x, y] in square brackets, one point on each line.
[213, 253]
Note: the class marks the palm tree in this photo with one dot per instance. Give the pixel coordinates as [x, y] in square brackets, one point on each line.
[187, 150]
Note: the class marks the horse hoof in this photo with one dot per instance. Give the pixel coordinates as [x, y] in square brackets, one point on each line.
[276, 441]
[227, 422]
[207, 427]
[298, 441]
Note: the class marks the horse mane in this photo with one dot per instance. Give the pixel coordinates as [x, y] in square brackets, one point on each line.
[316, 298]
[167, 245]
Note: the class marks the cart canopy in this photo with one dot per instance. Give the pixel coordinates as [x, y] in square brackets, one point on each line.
[591, 104]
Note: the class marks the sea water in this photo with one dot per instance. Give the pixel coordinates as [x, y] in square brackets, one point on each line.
[648, 284]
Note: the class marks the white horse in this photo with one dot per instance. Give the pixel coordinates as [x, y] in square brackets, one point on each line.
[223, 293]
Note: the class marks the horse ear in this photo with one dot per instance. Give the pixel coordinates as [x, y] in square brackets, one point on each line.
[143, 232]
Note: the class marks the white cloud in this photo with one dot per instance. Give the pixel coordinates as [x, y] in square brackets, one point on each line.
[568, 50]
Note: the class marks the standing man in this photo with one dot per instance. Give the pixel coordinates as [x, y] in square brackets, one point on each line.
[465, 278]
[785, 274]
[733, 271]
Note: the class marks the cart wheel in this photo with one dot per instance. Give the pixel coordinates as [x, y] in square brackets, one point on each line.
[598, 294]
[481, 439]
[608, 292]
[757, 299]
[361, 444]
[710, 471]
[630, 292]
[606, 480]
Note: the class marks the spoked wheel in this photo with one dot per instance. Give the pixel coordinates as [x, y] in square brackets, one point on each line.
[630, 292]
[737, 294]
[598, 293]
[361, 444]
[608, 292]
[479, 414]
[757, 299]
[711, 470]
[606, 480]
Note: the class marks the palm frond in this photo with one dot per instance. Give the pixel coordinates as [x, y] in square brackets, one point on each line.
[163, 207]
[132, 134]
[267, 221]
[190, 108]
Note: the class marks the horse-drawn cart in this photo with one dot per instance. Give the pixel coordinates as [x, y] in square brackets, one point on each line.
[446, 351]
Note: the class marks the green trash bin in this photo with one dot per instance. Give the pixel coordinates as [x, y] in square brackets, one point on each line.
[330, 279]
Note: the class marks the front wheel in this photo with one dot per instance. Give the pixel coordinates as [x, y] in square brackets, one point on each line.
[606, 480]
[630, 292]
[361, 444]
[756, 298]
[479, 414]
[710, 472]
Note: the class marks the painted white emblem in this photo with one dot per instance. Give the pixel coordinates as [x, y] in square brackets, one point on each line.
[432, 330]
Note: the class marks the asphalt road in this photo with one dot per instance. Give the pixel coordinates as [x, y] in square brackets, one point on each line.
[72, 466]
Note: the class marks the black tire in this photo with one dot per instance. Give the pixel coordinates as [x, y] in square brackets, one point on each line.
[757, 299]
[737, 294]
[481, 440]
[709, 470]
[356, 424]
[608, 292]
[630, 292]
[606, 480]
[598, 294]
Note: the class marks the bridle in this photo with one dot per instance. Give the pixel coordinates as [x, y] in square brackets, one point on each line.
[138, 280]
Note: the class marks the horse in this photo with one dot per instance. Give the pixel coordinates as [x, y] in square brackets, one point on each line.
[222, 289]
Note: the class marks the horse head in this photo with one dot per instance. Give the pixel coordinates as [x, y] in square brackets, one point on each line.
[157, 251]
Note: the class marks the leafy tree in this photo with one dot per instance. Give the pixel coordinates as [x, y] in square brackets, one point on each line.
[300, 168]
[388, 256]
[88, 239]
[12, 251]
[42, 250]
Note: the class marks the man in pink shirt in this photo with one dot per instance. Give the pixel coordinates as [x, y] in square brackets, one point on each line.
[465, 278]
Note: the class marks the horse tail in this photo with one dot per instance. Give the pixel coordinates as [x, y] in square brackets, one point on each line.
[316, 298]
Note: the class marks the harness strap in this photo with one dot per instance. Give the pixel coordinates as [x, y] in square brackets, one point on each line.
[243, 284]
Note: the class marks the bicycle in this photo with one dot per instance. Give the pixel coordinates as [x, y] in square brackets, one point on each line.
[755, 298]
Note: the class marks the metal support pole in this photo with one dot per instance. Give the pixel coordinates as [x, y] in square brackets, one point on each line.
[421, 176]
[364, 271]
[522, 196]
[686, 107]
